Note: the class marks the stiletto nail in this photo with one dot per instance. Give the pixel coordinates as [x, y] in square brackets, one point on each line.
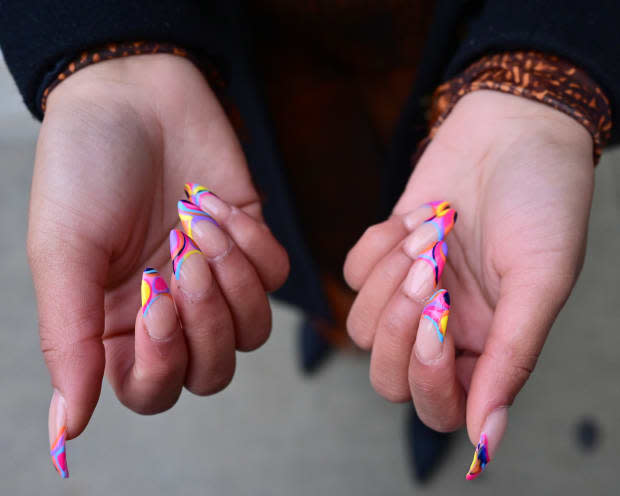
[432, 329]
[481, 458]
[439, 208]
[190, 215]
[195, 191]
[153, 286]
[57, 425]
[425, 212]
[208, 201]
[492, 433]
[181, 248]
[437, 310]
[436, 257]
[426, 271]
[444, 222]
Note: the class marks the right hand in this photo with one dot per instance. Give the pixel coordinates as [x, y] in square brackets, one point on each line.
[117, 144]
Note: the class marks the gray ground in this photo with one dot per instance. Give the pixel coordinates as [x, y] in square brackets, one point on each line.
[274, 432]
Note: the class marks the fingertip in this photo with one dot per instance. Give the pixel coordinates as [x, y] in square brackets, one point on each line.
[376, 242]
[358, 334]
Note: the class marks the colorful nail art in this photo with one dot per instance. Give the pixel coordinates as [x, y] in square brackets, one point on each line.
[437, 311]
[194, 191]
[190, 215]
[481, 458]
[58, 453]
[439, 208]
[181, 248]
[443, 222]
[436, 257]
[153, 286]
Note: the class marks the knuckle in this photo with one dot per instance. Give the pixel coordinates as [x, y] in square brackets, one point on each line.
[153, 404]
[386, 387]
[255, 328]
[449, 423]
[253, 340]
[358, 330]
[374, 234]
[212, 382]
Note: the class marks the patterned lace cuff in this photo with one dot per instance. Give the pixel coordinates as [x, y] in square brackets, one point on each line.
[125, 49]
[537, 76]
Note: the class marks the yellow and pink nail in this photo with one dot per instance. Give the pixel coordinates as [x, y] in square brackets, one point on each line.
[194, 192]
[152, 288]
[437, 311]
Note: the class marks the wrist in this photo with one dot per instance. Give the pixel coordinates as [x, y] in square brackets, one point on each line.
[503, 119]
[536, 76]
[130, 80]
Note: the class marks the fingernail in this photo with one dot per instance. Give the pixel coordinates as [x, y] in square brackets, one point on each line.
[213, 240]
[191, 215]
[207, 200]
[432, 328]
[426, 212]
[432, 230]
[443, 221]
[439, 207]
[426, 271]
[153, 315]
[57, 423]
[186, 266]
[492, 434]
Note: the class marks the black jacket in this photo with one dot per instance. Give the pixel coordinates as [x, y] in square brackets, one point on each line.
[40, 37]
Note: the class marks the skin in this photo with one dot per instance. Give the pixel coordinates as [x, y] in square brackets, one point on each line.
[120, 139]
[117, 144]
[520, 174]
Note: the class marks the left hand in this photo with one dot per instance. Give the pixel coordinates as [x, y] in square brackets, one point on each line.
[520, 175]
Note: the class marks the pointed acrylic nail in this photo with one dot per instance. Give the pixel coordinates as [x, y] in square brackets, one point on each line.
[195, 192]
[436, 257]
[181, 248]
[190, 215]
[425, 212]
[438, 207]
[443, 222]
[437, 310]
[153, 286]
[481, 458]
[208, 201]
[57, 424]
[433, 325]
[493, 431]
[426, 272]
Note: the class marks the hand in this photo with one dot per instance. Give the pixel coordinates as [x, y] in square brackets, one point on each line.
[520, 176]
[117, 144]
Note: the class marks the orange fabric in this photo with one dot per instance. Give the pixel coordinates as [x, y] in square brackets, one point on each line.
[537, 76]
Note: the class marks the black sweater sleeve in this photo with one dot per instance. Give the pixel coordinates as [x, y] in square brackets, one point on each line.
[39, 37]
[583, 32]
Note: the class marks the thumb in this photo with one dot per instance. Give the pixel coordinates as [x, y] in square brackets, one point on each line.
[526, 309]
[67, 273]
